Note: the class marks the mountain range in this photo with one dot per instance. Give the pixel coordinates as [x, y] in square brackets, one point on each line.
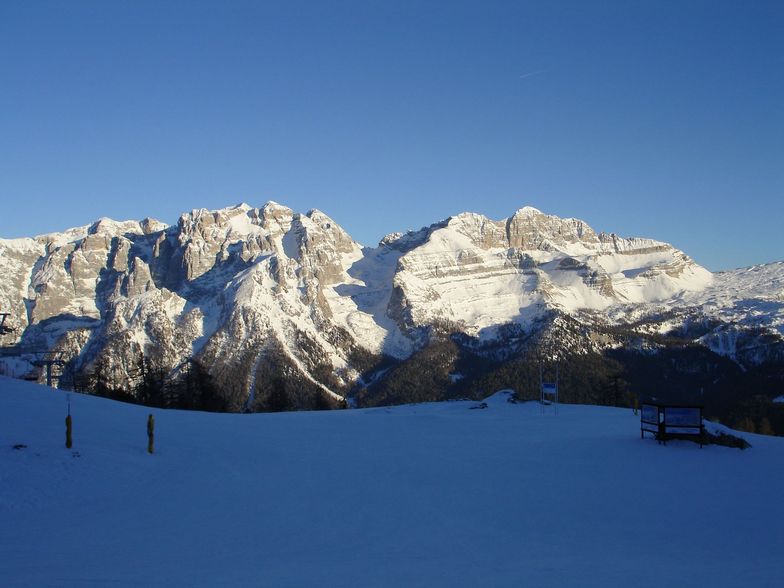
[247, 309]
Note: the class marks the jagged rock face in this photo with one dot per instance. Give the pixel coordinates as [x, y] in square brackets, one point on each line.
[18, 258]
[236, 286]
[238, 279]
[206, 238]
[528, 228]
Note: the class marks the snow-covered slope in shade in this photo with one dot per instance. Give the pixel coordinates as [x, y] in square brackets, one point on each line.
[359, 303]
[434, 495]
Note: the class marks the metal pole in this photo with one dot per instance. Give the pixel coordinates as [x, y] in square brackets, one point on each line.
[68, 425]
[541, 387]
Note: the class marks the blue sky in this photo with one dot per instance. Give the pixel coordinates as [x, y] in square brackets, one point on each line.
[657, 119]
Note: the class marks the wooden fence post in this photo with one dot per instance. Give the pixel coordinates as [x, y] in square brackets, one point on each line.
[150, 434]
[68, 430]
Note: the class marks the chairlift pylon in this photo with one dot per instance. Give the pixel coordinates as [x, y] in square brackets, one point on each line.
[3, 329]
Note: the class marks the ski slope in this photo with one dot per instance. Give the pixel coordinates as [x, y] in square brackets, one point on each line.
[426, 495]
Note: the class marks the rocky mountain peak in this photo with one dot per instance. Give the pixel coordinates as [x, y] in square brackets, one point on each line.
[528, 228]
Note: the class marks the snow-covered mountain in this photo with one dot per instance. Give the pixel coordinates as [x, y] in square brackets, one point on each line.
[272, 302]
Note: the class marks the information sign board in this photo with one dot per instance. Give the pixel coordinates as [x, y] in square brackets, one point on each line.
[675, 420]
[684, 416]
[649, 418]
[685, 420]
[650, 414]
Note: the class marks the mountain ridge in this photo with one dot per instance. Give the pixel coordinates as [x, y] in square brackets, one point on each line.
[287, 305]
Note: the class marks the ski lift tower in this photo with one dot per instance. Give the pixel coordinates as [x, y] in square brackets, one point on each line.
[53, 365]
[3, 328]
[548, 390]
[5, 350]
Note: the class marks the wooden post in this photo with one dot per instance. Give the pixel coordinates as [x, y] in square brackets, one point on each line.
[150, 434]
[68, 430]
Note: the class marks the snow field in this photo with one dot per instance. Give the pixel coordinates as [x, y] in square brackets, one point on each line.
[425, 495]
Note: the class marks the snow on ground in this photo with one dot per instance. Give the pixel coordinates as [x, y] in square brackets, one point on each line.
[425, 495]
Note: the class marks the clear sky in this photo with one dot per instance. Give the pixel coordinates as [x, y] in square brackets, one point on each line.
[661, 119]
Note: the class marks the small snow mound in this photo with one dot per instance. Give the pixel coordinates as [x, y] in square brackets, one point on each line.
[499, 398]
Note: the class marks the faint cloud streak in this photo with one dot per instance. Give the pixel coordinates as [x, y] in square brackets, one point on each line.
[532, 73]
